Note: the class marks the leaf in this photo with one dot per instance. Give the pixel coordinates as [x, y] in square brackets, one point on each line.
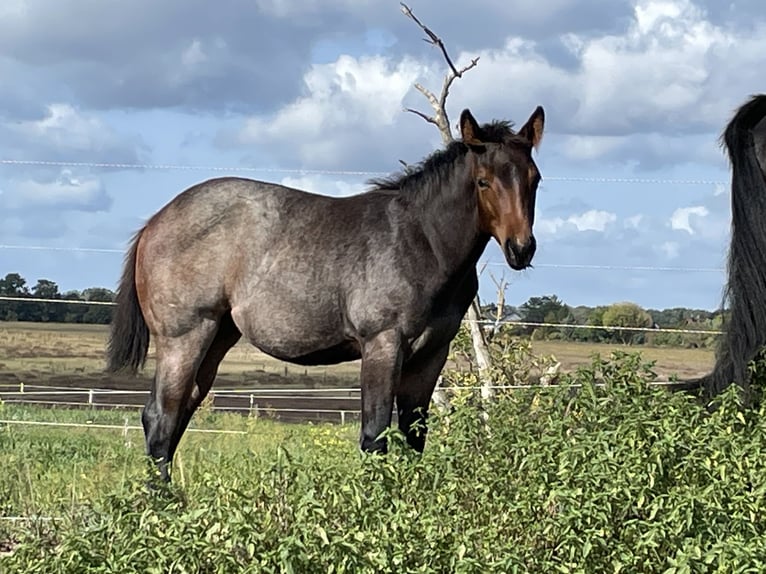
[323, 535]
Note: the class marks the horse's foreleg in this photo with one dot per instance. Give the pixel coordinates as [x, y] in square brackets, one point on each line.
[178, 359]
[419, 377]
[381, 370]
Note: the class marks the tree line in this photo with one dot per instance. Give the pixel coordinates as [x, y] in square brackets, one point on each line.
[14, 285]
[561, 321]
[581, 323]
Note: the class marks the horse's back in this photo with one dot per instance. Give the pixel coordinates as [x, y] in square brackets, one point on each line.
[246, 245]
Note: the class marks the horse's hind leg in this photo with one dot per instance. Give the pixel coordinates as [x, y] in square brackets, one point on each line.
[225, 338]
[419, 376]
[178, 360]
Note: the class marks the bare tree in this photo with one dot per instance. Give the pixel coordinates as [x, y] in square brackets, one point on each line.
[501, 285]
[440, 119]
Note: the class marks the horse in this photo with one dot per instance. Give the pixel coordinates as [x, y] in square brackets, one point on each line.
[744, 139]
[385, 276]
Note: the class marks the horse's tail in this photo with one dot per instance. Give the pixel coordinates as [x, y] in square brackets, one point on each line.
[745, 329]
[129, 337]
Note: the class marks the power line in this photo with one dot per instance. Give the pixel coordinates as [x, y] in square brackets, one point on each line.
[53, 248]
[489, 263]
[604, 327]
[309, 171]
[615, 267]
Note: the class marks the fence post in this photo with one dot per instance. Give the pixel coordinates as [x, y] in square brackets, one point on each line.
[343, 417]
[90, 397]
[21, 387]
[125, 434]
[251, 405]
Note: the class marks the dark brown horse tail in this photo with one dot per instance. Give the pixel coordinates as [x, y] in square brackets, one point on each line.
[745, 330]
[129, 337]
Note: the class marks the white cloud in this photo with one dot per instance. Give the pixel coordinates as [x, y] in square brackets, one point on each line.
[634, 221]
[194, 55]
[634, 96]
[323, 185]
[64, 132]
[67, 192]
[591, 220]
[681, 220]
[64, 126]
[350, 93]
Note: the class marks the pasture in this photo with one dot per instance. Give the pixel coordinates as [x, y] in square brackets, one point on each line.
[616, 478]
[46, 353]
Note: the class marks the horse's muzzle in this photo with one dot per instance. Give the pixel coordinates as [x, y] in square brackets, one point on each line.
[519, 255]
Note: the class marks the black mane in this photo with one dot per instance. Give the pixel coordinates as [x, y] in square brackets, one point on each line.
[435, 168]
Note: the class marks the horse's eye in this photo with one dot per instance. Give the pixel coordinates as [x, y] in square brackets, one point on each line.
[482, 183]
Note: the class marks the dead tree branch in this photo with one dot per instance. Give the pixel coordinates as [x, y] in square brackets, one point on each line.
[439, 104]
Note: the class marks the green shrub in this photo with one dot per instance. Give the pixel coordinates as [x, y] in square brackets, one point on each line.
[602, 473]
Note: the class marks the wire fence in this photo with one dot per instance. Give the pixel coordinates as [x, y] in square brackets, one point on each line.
[336, 172]
[253, 404]
[490, 322]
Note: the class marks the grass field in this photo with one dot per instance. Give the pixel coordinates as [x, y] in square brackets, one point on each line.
[42, 352]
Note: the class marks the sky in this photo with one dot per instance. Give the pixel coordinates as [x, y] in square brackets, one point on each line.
[634, 202]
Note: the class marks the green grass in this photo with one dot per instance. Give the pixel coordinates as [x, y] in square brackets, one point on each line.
[615, 477]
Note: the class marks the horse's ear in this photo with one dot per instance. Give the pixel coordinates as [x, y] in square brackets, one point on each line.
[470, 131]
[533, 129]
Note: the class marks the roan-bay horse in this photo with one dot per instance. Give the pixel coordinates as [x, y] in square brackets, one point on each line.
[384, 276]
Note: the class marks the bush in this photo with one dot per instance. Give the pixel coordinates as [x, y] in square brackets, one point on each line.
[602, 473]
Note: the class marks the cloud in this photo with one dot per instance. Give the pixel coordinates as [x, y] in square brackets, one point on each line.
[653, 93]
[594, 220]
[591, 220]
[670, 249]
[189, 54]
[681, 220]
[63, 133]
[67, 192]
[634, 221]
[323, 185]
[343, 120]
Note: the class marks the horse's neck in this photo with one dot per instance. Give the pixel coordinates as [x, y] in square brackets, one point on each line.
[451, 222]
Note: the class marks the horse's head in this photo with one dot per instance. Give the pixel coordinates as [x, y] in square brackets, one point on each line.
[505, 179]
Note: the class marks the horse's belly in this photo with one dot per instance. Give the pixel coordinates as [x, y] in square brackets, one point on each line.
[299, 337]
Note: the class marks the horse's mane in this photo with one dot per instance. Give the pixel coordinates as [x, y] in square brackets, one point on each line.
[745, 331]
[431, 172]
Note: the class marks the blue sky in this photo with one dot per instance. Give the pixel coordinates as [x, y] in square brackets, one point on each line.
[294, 91]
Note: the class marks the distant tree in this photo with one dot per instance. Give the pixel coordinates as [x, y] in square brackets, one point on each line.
[98, 294]
[13, 285]
[626, 315]
[46, 289]
[545, 309]
[100, 314]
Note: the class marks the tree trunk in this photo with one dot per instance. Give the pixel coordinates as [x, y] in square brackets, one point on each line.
[441, 121]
